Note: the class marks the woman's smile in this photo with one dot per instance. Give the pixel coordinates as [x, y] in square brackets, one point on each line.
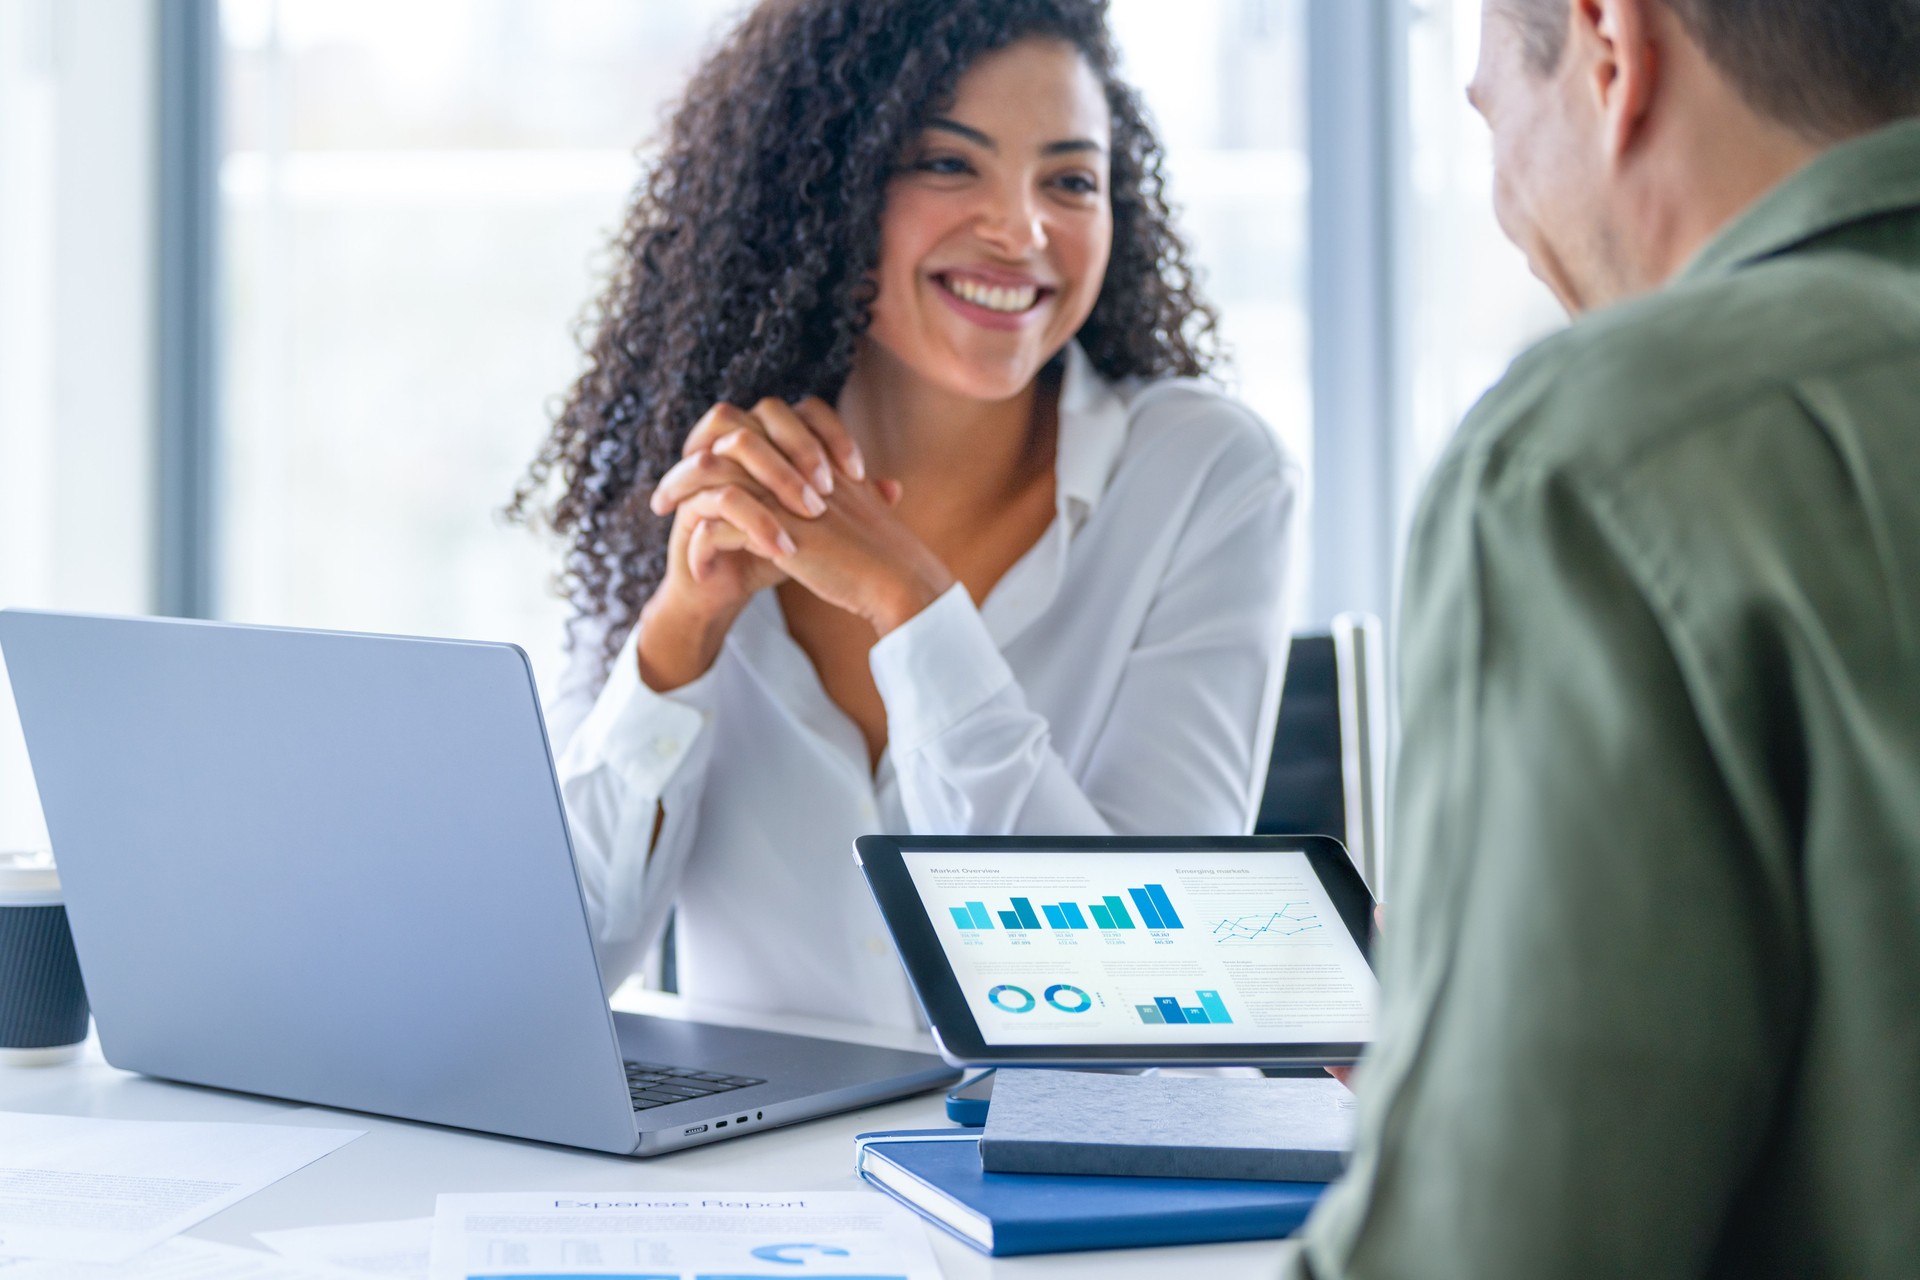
[993, 300]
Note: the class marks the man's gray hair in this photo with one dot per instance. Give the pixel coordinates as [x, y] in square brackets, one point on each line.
[1824, 68]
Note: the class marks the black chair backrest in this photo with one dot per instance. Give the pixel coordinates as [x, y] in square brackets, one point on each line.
[1306, 792]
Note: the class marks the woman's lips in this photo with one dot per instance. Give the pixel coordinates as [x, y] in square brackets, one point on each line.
[993, 304]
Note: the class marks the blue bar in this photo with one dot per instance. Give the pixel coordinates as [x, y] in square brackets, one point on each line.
[1216, 1007]
[1193, 1014]
[962, 917]
[1169, 1009]
[1024, 909]
[1164, 904]
[1101, 916]
[1147, 913]
[1118, 910]
[1011, 920]
[1149, 1014]
[981, 920]
[1055, 917]
[1072, 912]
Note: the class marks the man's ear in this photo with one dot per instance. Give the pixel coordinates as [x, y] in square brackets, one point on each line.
[1618, 57]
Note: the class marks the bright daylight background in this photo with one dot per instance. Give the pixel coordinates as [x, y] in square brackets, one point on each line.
[414, 201]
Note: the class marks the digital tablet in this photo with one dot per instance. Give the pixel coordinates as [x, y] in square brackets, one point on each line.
[1087, 951]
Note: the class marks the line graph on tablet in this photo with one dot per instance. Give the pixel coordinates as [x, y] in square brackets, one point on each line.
[1292, 920]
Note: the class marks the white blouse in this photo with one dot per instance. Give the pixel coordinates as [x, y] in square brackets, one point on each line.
[1123, 677]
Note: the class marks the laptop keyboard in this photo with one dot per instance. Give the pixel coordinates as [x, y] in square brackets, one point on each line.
[653, 1085]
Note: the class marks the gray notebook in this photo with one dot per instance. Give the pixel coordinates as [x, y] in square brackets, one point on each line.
[1167, 1126]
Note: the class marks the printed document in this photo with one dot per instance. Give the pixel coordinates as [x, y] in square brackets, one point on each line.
[377, 1248]
[90, 1190]
[176, 1260]
[698, 1235]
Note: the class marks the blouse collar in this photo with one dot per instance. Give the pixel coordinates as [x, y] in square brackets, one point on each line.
[1092, 432]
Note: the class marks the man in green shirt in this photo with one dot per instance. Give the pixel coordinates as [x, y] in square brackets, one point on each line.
[1652, 958]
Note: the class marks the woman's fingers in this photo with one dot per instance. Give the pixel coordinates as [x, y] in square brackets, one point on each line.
[735, 506]
[809, 433]
[715, 423]
[736, 458]
[700, 550]
[772, 469]
[711, 539]
[797, 439]
[826, 427]
[689, 476]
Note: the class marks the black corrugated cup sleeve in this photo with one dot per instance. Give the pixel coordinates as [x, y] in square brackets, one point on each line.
[42, 1003]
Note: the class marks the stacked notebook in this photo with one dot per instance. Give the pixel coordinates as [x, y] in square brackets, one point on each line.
[937, 1173]
[1070, 1160]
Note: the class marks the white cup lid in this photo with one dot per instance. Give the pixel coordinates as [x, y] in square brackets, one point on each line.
[28, 879]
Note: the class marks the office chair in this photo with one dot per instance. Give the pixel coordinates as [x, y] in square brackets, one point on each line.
[1322, 777]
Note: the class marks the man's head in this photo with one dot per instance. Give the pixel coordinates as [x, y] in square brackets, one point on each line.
[1628, 132]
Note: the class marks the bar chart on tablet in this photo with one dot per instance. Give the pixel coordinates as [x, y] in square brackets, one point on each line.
[1151, 902]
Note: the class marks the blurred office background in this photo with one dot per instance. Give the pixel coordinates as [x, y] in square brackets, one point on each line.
[288, 288]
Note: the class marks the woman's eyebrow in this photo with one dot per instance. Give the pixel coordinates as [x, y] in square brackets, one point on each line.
[965, 131]
[1066, 146]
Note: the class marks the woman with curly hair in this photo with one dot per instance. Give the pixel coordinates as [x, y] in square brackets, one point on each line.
[894, 499]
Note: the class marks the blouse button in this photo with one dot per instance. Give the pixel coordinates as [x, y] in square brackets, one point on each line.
[665, 747]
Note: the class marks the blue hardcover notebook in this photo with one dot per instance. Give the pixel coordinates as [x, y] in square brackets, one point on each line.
[936, 1172]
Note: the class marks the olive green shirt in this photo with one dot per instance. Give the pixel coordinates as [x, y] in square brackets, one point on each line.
[1651, 964]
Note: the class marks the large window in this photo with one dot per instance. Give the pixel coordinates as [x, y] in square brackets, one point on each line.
[76, 244]
[415, 201]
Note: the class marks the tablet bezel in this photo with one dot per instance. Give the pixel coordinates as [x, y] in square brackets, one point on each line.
[957, 1033]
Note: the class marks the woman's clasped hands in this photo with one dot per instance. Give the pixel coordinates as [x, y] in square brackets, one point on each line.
[764, 496]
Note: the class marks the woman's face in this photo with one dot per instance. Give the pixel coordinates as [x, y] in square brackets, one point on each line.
[997, 227]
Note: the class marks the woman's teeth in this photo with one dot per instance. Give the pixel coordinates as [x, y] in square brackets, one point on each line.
[993, 297]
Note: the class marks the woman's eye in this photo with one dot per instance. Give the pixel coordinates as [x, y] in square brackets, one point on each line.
[943, 165]
[1079, 184]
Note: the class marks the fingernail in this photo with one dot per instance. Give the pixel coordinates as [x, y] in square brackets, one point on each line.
[813, 503]
[785, 543]
[823, 478]
[857, 465]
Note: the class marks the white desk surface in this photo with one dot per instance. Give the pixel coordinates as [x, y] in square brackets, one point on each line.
[397, 1169]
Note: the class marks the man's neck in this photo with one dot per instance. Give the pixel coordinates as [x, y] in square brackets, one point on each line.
[1715, 163]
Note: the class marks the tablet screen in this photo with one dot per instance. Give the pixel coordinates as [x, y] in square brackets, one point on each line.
[1189, 948]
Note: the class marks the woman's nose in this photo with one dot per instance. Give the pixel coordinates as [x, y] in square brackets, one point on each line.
[1012, 221]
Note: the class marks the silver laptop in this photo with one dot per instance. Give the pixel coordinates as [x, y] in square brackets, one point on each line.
[335, 868]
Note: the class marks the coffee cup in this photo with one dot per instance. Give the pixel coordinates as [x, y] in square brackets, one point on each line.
[43, 1006]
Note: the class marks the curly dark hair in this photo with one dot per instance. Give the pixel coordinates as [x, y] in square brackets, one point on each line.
[743, 266]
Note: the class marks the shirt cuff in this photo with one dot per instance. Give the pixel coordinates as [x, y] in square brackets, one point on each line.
[935, 669]
[642, 736]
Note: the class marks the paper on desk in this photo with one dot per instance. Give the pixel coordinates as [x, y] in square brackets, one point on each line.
[90, 1190]
[378, 1248]
[701, 1235]
[175, 1260]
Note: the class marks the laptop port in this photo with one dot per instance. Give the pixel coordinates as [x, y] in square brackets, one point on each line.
[741, 1120]
[721, 1125]
[699, 1128]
